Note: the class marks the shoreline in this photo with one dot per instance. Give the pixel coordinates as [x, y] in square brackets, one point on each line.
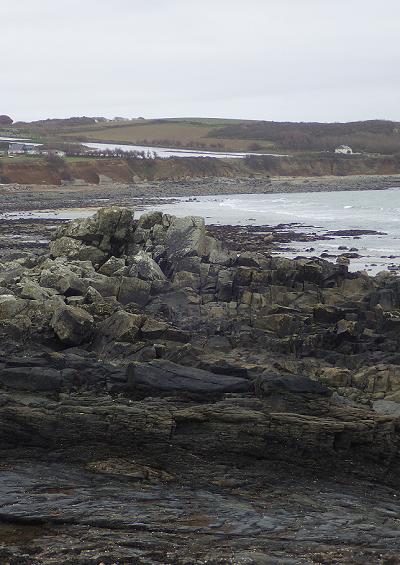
[18, 197]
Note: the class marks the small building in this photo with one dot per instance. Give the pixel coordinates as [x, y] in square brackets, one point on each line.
[344, 150]
[55, 152]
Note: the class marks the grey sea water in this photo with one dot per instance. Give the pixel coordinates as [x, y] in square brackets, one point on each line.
[313, 212]
[309, 212]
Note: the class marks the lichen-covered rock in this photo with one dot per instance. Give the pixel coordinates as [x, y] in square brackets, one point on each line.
[145, 268]
[72, 325]
[121, 326]
[10, 306]
[114, 266]
[133, 289]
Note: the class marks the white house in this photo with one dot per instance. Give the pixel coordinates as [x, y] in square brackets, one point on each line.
[344, 149]
[56, 152]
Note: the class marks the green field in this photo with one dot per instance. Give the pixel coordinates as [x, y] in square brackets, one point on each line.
[370, 137]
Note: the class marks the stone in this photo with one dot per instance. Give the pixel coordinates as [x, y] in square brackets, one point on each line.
[133, 289]
[347, 327]
[144, 267]
[185, 237]
[65, 247]
[10, 306]
[31, 290]
[150, 219]
[72, 325]
[121, 326]
[184, 279]
[383, 378]
[387, 407]
[153, 329]
[335, 376]
[165, 376]
[112, 266]
[280, 324]
[272, 384]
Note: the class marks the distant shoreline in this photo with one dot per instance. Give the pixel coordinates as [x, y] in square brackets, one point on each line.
[16, 197]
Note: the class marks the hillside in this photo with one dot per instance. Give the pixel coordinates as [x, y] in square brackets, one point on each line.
[373, 136]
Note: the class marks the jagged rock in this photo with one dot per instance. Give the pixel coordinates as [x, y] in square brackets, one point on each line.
[149, 219]
[185, 237]
[378, 379]
[280, 324]
[121, 326]
[145, 268]
[153, 329]
[92, 296]
[35, 379]
[10, 306]
[61, 278]
[108, 230]
[347, 327]
[133, 289]
[184, 279]
[72, 325]
[335, 376]
[31, 290]
[248, 259]
[65, 247]
[92, 254]
[325, 313]
[113, 266]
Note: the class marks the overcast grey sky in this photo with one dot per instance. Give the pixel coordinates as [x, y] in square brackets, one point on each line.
[297, 60]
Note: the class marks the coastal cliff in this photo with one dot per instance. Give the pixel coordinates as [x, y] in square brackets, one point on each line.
[91, 170]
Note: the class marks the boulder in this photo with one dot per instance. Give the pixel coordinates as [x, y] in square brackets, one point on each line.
[61, 278]
[108, 230]
[149, 219]
[10, 306]
[186, 237]
[72, 324]
[184, 279]
[145, 268]
[378, 379]
[121, 326]
[133, 289]
[65, 247]
[113, 266]
[31, 290]
[153, 329]
[335, 376]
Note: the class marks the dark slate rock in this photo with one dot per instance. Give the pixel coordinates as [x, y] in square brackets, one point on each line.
[165, 376]
[31, 378]
[270, 384]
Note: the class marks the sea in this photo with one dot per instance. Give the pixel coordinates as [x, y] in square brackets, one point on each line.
[314, 213]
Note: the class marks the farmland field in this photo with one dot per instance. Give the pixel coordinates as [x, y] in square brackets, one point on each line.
[193, 134]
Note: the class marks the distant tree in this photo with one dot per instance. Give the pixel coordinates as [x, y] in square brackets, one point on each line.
[6, 120]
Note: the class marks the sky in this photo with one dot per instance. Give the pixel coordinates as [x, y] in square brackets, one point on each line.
[283, 60]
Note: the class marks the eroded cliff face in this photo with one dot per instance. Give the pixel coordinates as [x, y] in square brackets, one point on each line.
[178, 402]
[39, 171]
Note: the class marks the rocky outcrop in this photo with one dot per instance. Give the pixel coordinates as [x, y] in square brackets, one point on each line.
[149, 339]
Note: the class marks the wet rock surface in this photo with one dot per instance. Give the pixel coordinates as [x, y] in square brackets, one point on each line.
[165, 398]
